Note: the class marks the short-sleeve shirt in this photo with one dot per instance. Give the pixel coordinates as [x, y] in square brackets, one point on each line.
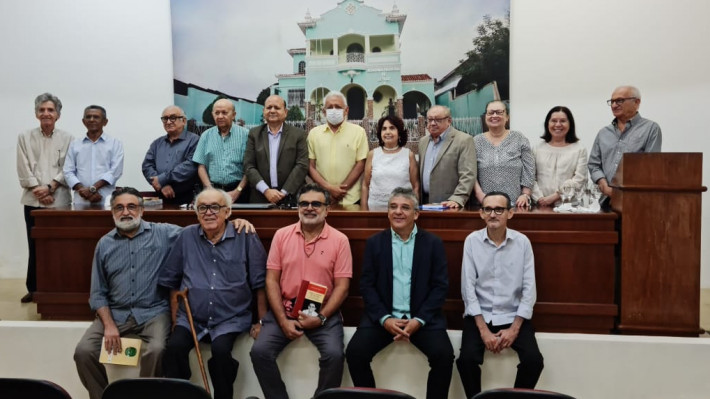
[222, 156]
[320, 261]
[336, 154]
[221, 278]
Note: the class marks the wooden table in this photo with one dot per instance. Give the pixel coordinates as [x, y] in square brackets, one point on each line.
[574, 259]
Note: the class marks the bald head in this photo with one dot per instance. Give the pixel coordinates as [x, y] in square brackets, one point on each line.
[224, 114]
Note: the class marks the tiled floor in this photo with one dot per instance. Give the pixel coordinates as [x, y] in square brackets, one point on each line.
[11, 290]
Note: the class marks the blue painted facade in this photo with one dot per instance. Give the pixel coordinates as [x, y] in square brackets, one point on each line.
[353, 48]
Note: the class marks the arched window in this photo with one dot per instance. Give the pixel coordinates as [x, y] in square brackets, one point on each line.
[302, 67]
[355, 53]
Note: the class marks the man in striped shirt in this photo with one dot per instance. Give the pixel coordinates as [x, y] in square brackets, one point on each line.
[220, 153]
[124, 290]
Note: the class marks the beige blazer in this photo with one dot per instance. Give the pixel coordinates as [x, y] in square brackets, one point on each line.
[454, 172]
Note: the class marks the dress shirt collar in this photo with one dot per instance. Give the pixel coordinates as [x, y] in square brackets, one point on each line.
[631, 122]
[411, 235]
[101, 138]
[229, 232]
[323, 234]
[442, 136]
[281, 129]
[485, 239]
[180, 137]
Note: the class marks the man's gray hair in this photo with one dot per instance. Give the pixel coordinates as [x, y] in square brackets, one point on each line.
[633, 89]
[44, 97]
[447, 110]
[406, 193]
[182, 112]
[335, 93]
[227, 197]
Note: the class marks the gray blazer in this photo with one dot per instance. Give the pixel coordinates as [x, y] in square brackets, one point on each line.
[291, 166]
[454, 172]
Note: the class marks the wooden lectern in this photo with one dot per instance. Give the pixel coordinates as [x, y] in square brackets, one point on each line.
[658, 196]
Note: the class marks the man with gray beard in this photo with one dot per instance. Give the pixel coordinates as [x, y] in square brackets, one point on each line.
[124, 290]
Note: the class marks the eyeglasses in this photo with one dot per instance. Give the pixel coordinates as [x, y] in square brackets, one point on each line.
[132, 208]
[171, 118]
[498, 210]
[215, 208]
[436, 120]
[495, 112]
[619, 101]
[314, 204]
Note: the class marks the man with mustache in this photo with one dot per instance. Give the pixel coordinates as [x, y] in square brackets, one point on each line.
[308, 250]
[124, 290]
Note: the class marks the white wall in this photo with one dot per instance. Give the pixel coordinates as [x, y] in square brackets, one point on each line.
[585, 366]
[570, 52]
[117, 54]
[574, 52]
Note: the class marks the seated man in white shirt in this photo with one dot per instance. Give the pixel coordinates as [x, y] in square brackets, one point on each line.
[498, 290]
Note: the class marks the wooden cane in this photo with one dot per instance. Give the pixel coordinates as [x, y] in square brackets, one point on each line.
[183, 294]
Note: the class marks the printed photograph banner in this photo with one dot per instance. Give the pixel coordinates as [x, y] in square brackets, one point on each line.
[386, 57]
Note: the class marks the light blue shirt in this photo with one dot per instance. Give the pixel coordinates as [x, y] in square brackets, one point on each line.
[223, 156]
[90, 161]
[498, 282]
[402, 260]
[432, 151]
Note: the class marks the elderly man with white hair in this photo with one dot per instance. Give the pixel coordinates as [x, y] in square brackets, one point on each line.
[223, 270]
[628, 132]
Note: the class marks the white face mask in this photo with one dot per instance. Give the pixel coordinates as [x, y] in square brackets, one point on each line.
[334, 116]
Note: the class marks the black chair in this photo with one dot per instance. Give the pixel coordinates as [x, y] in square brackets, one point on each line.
[520, 393]
[26, 388]
[153, 388]
[361, 393]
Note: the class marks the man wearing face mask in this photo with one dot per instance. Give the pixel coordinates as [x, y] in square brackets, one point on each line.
[337, 152]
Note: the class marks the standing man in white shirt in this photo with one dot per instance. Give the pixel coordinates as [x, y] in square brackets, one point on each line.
[95, 163]
[40, 158]
[498, 291]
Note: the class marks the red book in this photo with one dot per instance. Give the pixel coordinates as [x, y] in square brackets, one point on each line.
[309, 299]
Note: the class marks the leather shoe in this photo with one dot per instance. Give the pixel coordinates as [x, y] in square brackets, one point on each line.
[27, 298]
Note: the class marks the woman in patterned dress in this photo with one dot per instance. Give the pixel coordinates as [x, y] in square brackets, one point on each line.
[505, 159]
[388, 166]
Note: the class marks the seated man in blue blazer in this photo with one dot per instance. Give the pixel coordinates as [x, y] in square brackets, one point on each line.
[404, 283]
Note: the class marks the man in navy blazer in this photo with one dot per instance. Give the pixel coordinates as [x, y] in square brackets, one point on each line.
[404, 283]
[276, 156]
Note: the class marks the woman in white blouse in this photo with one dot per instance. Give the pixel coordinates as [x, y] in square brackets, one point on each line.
[560, 160]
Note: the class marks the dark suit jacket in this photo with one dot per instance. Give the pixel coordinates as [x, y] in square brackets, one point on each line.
[430, 279]
[292, 164]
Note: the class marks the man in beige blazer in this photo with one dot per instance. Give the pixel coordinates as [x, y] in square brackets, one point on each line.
[447, 161]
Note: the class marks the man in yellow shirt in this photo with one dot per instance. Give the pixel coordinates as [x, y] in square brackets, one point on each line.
[337, 152]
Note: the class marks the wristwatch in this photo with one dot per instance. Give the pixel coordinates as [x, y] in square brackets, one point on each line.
[92, 189]
[322, 319]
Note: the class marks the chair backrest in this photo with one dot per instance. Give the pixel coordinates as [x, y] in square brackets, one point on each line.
[25, 388]
[152, 388]
[520, 393]
[360, 393]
